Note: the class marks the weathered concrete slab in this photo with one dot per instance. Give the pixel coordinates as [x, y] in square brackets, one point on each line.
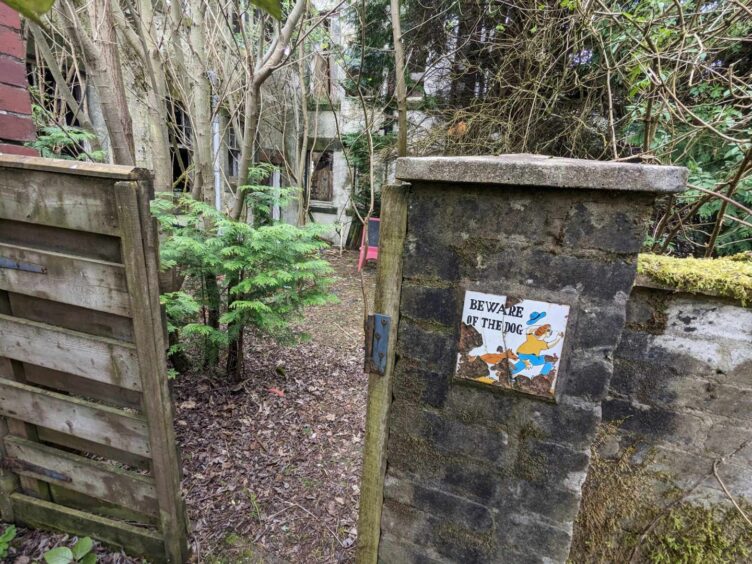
[541, 170]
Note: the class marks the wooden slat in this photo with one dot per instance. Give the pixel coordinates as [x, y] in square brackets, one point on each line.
[72, 317]
[76, 168]
[63, 440]
[15, 371]
[58, 201]
[66, 241]
[394, 201]
[88, 283]
[97, 423]
[139, 256]
[8, 480]
[104, 360]
[83, 502]
[90, 477]
[82, 387]
[46, 515]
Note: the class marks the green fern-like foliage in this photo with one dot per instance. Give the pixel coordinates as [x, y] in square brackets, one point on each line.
[54, 142]
[252, 276]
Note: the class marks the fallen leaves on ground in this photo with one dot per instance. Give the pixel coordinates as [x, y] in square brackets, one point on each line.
[273, 470]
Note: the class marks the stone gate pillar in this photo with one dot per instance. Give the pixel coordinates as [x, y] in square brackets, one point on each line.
[507, 300]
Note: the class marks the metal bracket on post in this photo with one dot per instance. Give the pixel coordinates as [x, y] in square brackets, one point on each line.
[377, 342]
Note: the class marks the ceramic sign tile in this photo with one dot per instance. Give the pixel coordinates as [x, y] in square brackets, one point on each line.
[511, 343]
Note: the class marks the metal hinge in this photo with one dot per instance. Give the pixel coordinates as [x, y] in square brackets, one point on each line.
[25, 266]
[19, 466]
[377, 342]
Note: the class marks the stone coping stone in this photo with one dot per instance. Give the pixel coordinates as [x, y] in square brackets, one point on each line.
[542, 170]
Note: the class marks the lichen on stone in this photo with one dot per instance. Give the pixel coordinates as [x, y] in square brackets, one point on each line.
[729, 277]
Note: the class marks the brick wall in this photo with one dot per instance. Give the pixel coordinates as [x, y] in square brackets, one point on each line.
[16, 125]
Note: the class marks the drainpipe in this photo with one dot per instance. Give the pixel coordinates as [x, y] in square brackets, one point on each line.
[216, 143]
[216, 146]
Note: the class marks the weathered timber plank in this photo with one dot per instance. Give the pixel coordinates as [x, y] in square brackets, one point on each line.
[97, 358]
[14, 370]
[66, 241]
[77, 444]
[66, 414]
[75, 168]
[394, 201]
[82, 387]
[88, 283]
[90, 477]
[70, 202]
[46, 515]
[83, 502]
[139, 256]
[72, 317]
[8, 480]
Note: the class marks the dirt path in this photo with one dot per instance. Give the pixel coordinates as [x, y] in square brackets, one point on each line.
[271, 467]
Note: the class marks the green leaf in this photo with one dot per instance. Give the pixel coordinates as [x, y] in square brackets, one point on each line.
[82, 548]
[90, 558]
[59, 555]
[32, 9]
[8, 534]
[274, 7]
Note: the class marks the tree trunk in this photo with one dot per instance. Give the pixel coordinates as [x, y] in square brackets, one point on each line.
[248, 152]
[235, 359]
[199, 103]
[399, 71]
[100, 54]
[157, 101]
[301, 168]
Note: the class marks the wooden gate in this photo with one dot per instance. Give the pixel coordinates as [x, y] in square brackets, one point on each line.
[87, 443]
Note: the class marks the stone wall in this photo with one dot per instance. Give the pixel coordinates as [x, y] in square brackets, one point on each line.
[681, 394]
[476, 473]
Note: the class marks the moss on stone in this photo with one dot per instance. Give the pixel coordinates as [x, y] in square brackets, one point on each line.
[729, 277]
[631, 513]
[529, 465]
[471, 539]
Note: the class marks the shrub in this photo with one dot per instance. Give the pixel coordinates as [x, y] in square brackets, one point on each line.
[237, 275]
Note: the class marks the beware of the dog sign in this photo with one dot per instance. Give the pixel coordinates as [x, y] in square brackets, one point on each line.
[511, 343]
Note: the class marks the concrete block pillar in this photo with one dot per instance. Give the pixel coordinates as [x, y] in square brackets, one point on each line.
[514, 280]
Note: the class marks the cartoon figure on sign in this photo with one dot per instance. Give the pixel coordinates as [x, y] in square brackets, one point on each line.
[529, 352]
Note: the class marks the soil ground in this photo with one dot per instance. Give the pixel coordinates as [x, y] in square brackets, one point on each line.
[271, 466]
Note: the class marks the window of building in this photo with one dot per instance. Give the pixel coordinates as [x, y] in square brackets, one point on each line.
[322, 177]
[321, 85]
[180, 145]
[233, 154]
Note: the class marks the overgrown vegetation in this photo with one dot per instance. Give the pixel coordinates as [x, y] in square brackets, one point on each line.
[5, 539]
[79, 553]
[649, 80]
[61, 142]
[237, 275]
[630, 513]
[730, 276]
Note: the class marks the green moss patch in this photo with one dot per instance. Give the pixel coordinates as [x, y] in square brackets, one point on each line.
[630, 513]
[729, 276]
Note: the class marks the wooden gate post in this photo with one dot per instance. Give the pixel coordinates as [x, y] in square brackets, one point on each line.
[141, 272]
[386, 301]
